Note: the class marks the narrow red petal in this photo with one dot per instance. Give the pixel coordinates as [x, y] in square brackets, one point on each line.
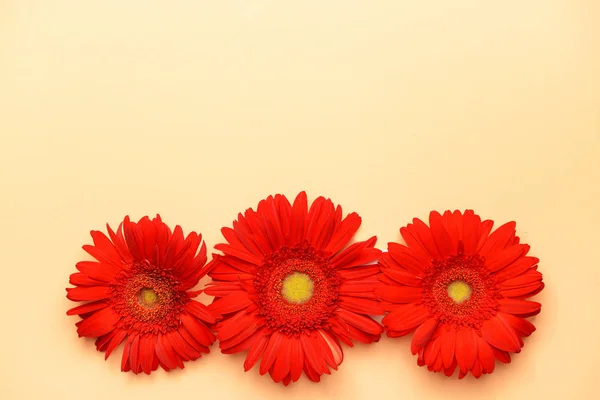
[506, 257]
[399, 294]
[200, 311]
[500, 335]
[466, 349]
[423, 333]
[334, 347]
[440, 236]
[403, 277]
[134, 359]
[147, 344]
[520, 325]
[281, 367]
[165, 352]
[501, 355]
[448, 345]
[115, 341]
[231, 303]
[98, 271]
[498, 240]
[405, 317]
[256, 352]
[87, 308]
[361, 322]
[297, 359]
[522, 308]
[312, 355]
[99, 323]
[485, 355]
[346, 231]
[403, 256]
[198, 331]
[89, 293]
[422, 233]
[271, 351]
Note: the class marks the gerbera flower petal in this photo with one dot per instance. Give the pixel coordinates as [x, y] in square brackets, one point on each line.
[432, 350]
[357, 254]
[88, 308]
[346, 231]
[477, 369]
[365, 324]
[402, 277]
[334, 347]
[134, 354]
[520, 325]
[117, 337]
[522, 308]
[290, 288]
[471, 227]
[236, 252]
[424, 333]
[297, 359]
[98, 271]
[461, 289]
[423, 235]
[498, 239]
[359, 273]
[243, 337]
[400, 294]
[138, 292]
[271, 351]
[447, 345]
[232, 303]
[165, 352]
[485, 354]
[147, 345]
[201, 312]
[98, 323]
[197, 330]
[500, 335]
[361, 306]
[415, 246]
[404, 258]
[255, 352]
[91, 293]
[501, 355]
[466, 349]
[440, 236]
[282, 364]
[312, 354]
[405, 317]
[80, 279]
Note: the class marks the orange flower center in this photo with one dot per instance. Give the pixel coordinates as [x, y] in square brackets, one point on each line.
[148, 299]
[297, 289]
[460, 291]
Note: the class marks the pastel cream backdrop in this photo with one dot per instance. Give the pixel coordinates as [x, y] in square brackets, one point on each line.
[198, 109]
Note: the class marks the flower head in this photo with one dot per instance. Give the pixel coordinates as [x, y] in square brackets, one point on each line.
[139, 292]
[461, 290]
[290, 289]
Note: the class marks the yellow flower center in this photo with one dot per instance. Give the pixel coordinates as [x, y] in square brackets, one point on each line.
[297, 288]
[459, 291]
[147, 297]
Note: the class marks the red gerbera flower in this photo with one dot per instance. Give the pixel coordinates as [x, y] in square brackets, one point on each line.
[139, 293]
[461, 290]
[290, 290]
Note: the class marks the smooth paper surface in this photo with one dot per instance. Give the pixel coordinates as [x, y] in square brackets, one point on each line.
[199, 109]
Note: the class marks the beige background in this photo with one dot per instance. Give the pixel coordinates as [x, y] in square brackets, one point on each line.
[198, 109]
